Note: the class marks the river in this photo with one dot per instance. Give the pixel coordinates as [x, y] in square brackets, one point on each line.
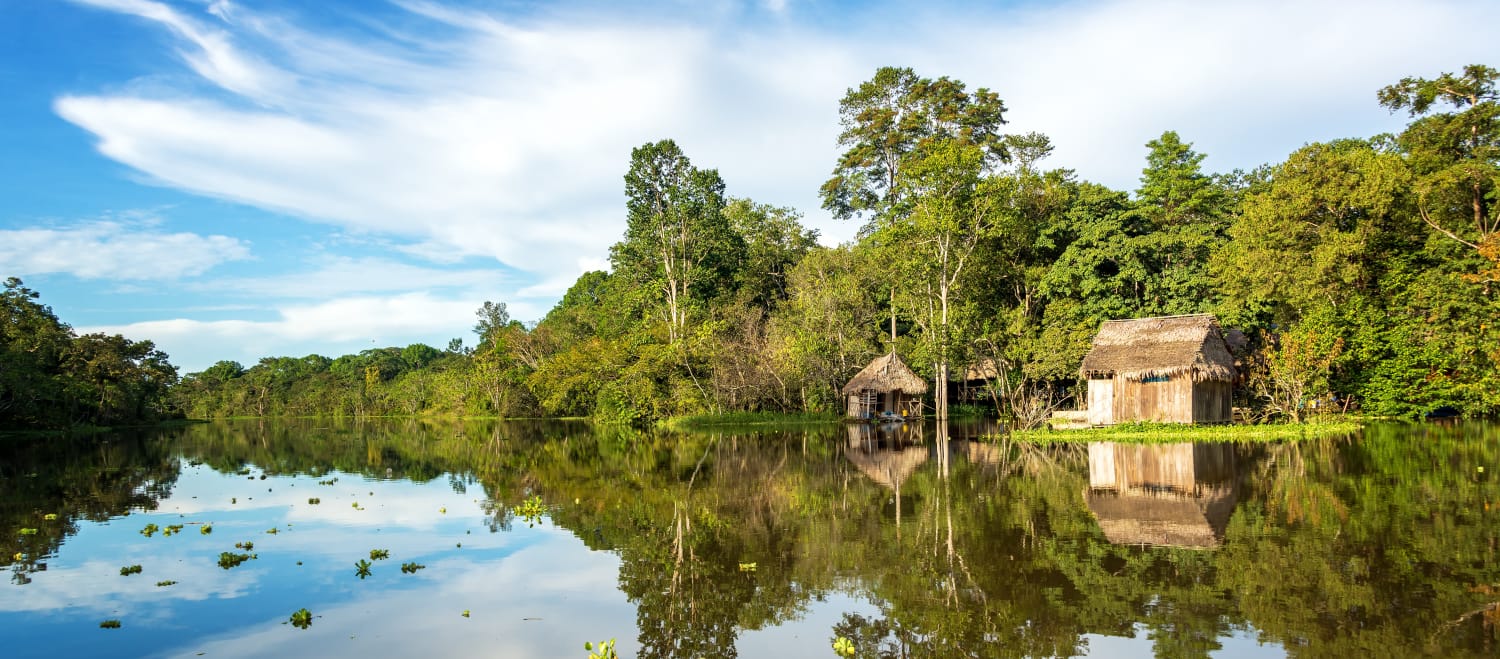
[526, 539]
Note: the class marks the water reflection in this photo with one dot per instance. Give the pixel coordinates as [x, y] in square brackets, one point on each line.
[1172, 495]
[912, 541]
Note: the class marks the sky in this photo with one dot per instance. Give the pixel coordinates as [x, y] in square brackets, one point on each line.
[236, 179]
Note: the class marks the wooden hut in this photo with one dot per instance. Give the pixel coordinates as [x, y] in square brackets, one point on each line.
[1174, 369]
[887, 387]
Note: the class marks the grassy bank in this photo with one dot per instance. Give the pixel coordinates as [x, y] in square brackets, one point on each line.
[1151, 433]
[746, 419]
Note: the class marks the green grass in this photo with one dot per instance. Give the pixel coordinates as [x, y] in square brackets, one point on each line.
[747, 419]
[1151, 433]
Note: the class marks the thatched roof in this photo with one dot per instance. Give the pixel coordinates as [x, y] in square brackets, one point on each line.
[984, 369]
[887, 374]
[1151, 347]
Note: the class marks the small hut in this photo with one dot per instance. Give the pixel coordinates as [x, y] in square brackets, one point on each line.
[1174, 369]
[884, 388]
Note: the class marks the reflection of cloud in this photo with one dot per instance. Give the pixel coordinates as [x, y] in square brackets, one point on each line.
[206, 494]
[96, 585]
[543, 601]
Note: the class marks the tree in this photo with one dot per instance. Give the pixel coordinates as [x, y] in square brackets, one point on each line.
[677, 240]
[1456, 155]
[493, 317]
[32, 344]
[895, 116]
[774, 242]
[1324, 227]
[1174, 190]
[950, 208]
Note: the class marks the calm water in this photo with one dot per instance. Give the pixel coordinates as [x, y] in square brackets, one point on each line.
[749, 544]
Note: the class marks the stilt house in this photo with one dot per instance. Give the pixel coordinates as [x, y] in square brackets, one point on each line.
[1174, 369]
[886, 386]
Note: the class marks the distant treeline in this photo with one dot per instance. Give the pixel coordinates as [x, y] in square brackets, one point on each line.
[52, 378]
[1365, 272]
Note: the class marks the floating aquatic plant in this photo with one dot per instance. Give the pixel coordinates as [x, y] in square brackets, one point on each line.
[466, 613]
[228, 560]
[53, 516]
[110, 624]
[315, 501]
[164, 584]
[362, 568]
[28, 531]
[129, 570]
[173, 529]
[605, 650]
[379, 554]
[531, 510]
[273, 530]
[747, 567]
[843, 647]
[207, 529]
[150, 530]
[411, 568]
[246, 545]
[302, 619]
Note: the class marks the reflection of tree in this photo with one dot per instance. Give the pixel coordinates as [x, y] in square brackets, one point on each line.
[74, 479]
[1382, 546]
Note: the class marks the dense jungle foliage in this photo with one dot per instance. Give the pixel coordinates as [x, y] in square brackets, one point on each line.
[50, 377]
[1365, 272]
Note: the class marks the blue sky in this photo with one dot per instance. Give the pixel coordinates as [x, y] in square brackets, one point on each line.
[234, 179]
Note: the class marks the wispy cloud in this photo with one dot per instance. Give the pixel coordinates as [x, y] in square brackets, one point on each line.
[342, 325]
[115, 250]
[342, 276]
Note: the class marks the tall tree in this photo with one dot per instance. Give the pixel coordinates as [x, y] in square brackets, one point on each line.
[1456, 155]
[1174, 190]
[893, 117]
[677, 239]
[950, 208]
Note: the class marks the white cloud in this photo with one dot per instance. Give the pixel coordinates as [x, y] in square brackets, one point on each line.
[334, 327]
[115, 250]
[342, 276]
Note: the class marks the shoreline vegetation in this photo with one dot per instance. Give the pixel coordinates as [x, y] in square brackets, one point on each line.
[1151, 433]
[1364, 274]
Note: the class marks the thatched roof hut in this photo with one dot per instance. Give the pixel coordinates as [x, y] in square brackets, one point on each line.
[886, 374]
[887, 463]
[886, 387]
[1143, 348]
[1172, 368]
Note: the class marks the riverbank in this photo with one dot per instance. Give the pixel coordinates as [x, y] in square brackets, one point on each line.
[1154, 433]
[700, 421]
[22, 434]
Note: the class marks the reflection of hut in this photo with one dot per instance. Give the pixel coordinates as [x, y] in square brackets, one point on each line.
[1175, 495]
[888, 457]
[886, 387]
[1175, 369]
